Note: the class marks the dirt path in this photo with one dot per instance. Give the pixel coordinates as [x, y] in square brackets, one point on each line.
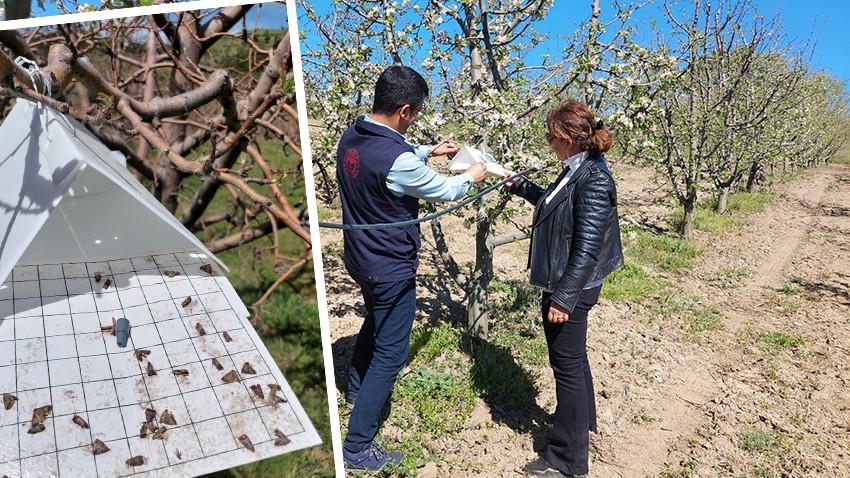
[795, 221]
[674, 406]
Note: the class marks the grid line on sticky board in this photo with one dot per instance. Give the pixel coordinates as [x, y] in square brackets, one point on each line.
[76, 280]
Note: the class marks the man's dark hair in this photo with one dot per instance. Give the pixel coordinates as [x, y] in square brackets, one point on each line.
[398, 86]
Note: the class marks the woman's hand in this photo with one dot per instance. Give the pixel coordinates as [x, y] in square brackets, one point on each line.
[557, 314]
[509, 173]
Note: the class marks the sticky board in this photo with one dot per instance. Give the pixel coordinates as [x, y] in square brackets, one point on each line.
[53, 351]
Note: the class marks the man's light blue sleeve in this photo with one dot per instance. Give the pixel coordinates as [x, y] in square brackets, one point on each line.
[410, 175]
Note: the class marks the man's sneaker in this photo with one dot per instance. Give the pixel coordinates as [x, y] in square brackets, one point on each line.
[349, 401]
[371, 458]
[541, 467]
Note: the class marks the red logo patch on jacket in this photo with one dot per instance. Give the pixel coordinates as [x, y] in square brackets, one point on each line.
[351, 163]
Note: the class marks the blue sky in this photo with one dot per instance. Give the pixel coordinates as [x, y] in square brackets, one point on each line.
[826, 20]
[264, 15]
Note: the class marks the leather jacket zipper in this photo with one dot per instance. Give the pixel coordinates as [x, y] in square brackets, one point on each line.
[553, 243]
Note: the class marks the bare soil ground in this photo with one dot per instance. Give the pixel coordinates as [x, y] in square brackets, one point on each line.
[767, 395]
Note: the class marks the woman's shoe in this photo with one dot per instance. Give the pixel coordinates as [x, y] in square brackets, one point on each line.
[540, 467]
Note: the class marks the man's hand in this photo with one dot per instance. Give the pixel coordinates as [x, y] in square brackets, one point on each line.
[557, 314]
[446, 148]
[477, 171]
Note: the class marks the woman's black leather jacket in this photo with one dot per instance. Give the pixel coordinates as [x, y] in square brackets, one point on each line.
[575, 238]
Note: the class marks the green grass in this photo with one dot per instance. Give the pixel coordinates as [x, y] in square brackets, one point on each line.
[789, 290]
[515, 321]
[683, 470]
[730, 277]
[433, 401]
[661, 252]
[739, 204]
[686, 310]
[748, 203]
[757, 440]
[325, 214]
[630, 283]
[780, 340]
[705, 219]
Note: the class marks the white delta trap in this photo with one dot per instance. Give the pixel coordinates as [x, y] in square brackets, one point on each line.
[82, 243]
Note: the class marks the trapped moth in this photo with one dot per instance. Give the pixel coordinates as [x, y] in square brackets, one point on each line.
[79, 421]
[217, 364]
[247, 368]
[246, 442]
[273, 398]
[9, 400]
[99, 447]
[38, 417]
[281, 439]
[167, 418]
[258, 391]
[231, 377]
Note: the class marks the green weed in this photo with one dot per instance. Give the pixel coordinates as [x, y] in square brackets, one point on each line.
[430, 342]
[709, 221]
[643, 418]
[516, 322]
[789, 290]
[705, 319]
[781, 340]
[694, 317]
[748, 203]
[730, 277]
[325, 214]
[497, 376]
[663, 252]
[785, 305]
[684, 470]
[432, 401]
[757, 440]
[646, 374]
[630, 283]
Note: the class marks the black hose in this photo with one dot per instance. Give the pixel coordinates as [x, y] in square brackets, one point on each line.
[433, 215]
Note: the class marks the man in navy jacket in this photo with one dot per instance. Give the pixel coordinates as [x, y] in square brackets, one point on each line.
[381, 179]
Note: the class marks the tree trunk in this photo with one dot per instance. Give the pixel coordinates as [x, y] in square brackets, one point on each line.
[722, 200]
[751, 180]
[150, 86]
[689, 203]
[478, 313]
[188, 51]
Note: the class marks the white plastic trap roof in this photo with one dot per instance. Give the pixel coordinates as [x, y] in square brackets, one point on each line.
[65, 198]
